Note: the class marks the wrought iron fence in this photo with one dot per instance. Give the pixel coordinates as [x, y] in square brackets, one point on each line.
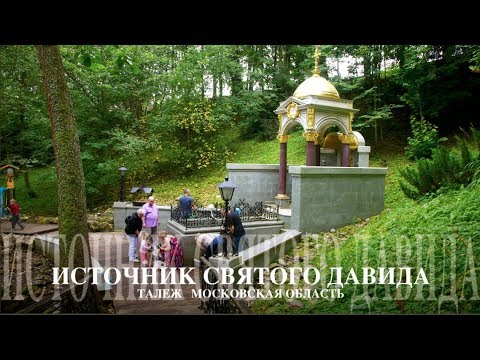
[218, 305]
[212, 216]
[259, 211]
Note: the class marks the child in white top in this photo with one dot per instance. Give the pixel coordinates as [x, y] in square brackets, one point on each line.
[164, 244]
[161, 249]
[145, 246]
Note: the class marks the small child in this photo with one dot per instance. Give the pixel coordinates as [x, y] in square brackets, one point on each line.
[176, 252]
[158, 253]
[164, 245]
[145, 246]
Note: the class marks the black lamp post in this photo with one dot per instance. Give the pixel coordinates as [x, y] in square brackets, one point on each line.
[226, 191]
[122, 170]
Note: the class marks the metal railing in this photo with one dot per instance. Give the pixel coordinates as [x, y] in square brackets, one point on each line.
[65, 302]
[211, 217]
[218, 305]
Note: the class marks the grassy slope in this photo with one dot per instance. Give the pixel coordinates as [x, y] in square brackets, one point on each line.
[202, 186]
[44, 183]
[440, 235]
[451, 219]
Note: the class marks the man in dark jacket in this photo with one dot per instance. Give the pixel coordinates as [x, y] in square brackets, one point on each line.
[234, 225]
[186, 204]
[132, 230]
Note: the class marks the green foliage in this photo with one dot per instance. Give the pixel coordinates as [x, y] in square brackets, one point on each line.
[187, 102]
[196, 135]
[266, 152]
[474, 167]
[476, 138]
[203, 184]
[423, 140]
[44, 181]
[255, 115]
[372, 118]
[475, 59]
[412, 178]
[32, 194]
[446, 169]
[25, 131]
[439, 235]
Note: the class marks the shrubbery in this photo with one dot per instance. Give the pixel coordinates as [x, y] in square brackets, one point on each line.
[423, 141]
[446, 169]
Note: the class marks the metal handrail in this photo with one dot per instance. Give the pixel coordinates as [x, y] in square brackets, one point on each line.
[219, 306]
[64, 301]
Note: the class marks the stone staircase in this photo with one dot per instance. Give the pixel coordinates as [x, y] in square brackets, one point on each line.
[262, 254]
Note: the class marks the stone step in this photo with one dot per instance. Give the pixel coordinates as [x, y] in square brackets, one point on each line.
[285, 212]
[273, 204]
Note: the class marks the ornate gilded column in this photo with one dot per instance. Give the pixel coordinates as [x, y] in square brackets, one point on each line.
[310, 150]
[317, 150]
[282, 171]
[345, 150]
[315, 158]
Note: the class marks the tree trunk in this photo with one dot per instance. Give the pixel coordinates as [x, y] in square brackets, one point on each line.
[26, 178]
[375, 109]
[220, 85]
[401, 56]
[22, 128]
[214, 86]
[236, 73]
[322, 63]
[72, 207]
[21, 109]
[367, 70]
[275, 55]
[1, 102]
[203, 73]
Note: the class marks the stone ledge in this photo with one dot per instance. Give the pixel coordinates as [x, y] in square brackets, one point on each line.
[334, 170]
[269, 244]
[262, 254]
[252, 167]
[129, 205]
[246, 225]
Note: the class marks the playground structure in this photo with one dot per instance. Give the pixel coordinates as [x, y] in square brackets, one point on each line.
[2, 199]
[10, 185]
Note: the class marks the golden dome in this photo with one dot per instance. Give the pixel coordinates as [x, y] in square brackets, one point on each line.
[317, 86]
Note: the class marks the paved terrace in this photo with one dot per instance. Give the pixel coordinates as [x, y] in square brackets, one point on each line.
[111, 250]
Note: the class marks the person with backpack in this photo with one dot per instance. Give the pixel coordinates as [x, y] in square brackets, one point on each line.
[134, 224]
